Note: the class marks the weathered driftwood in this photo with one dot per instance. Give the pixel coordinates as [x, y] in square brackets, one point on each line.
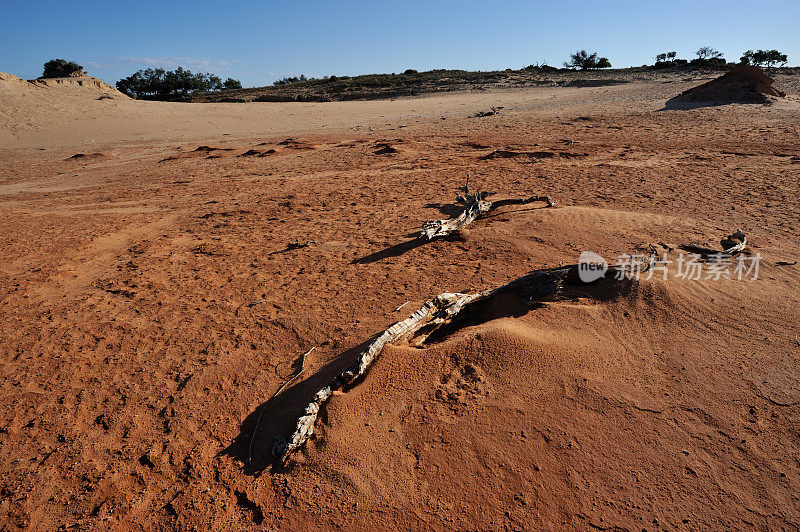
[731, 245]
[475, 204]
[539, 285]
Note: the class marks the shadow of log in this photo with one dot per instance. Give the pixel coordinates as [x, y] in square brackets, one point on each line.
[279, 416]
[392, 251]
[448, 209]
[500, 306]
[292, 246]
[490, 215]
[511, 305]
[401, 248]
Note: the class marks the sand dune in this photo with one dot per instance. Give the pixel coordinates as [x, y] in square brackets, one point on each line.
[151, 303]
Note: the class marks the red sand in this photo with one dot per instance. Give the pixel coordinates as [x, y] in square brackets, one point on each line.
[150, 308]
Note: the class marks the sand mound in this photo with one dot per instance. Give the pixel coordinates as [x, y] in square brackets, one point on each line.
[742, 84]
[10, 83]
[86, 82]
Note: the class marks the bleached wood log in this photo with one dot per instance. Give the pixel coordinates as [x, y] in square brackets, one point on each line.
[475, 204]
[539, 285]
[731, 245]
[735, 243]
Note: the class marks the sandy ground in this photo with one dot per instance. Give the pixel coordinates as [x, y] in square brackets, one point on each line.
[150, 308]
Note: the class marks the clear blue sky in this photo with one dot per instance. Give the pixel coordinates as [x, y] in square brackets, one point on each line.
[258, 42]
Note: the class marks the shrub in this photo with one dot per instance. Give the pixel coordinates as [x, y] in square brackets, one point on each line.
[603, 62]
[586, 61]
[713, 62]
[768, 58]
[671, 63]
[160, 84]
[544, 67]
[60, 68]
[231, 83]
[410, 71]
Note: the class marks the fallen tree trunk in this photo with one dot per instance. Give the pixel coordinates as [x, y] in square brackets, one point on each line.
[539, 285]
[475, 204]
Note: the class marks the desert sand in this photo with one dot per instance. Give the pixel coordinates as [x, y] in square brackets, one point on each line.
[151, 303]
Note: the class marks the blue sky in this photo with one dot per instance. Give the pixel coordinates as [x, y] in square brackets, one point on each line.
[258, 42]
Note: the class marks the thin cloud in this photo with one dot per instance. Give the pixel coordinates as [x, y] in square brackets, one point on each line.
[194, 63]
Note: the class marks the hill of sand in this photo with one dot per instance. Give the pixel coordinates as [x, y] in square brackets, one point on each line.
[152, 302]
[742, 84]
[11, 84]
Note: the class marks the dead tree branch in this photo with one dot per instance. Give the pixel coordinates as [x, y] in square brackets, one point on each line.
[475, 204]
[537, 286]
[731, 245]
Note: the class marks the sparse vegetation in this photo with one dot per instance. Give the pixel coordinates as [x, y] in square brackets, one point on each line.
[667, 59]
[708, 57]
[586, 61]
[768, 58]
[61, 68]
[706, 52]
[291, 79]
[178, 84]
[367, 86]
[544, 67]
[302, 88]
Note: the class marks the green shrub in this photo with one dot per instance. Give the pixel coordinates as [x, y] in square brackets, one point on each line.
[768, 58]
[586, 61]
[60, 68]
[178, 84]
[231, 83]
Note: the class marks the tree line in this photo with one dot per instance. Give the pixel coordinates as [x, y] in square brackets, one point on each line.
[161, 84]
[708, 56]
[179, 84]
